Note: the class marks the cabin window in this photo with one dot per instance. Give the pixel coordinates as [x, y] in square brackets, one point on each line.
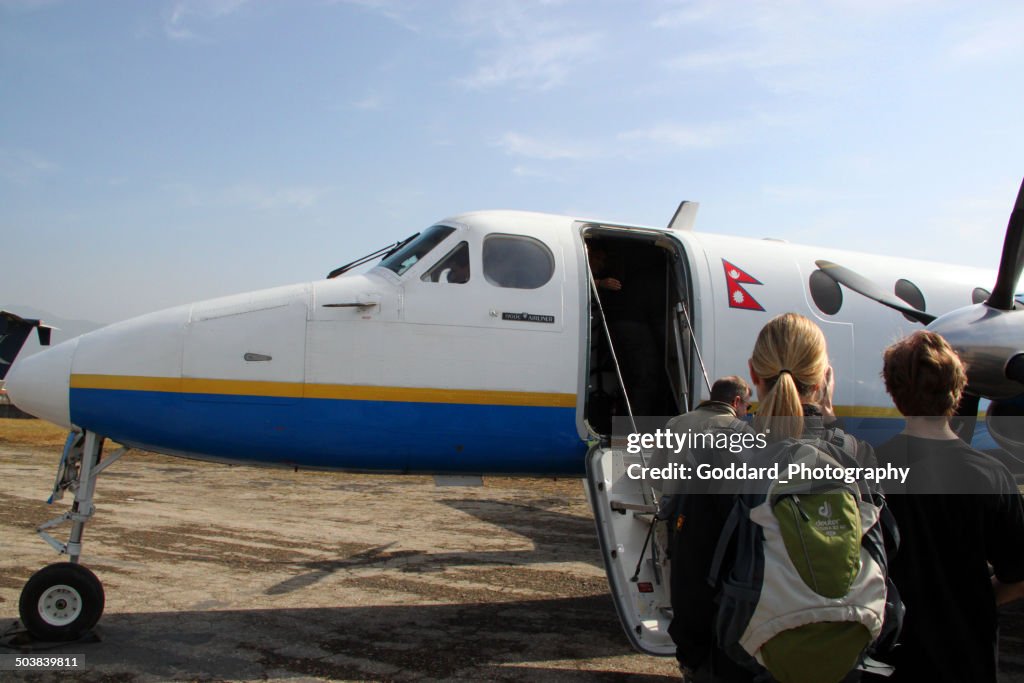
[517, 262]
[453, 268]
[411, 254]
[909, 292]
[825, 291]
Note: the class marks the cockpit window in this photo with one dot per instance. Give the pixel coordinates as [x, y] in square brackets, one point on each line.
[517, 262]
[453, 268]
[409, 255]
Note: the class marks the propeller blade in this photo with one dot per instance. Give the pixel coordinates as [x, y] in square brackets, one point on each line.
[1010, 263]
[862, 285]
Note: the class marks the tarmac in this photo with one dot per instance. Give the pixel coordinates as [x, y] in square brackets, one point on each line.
[216, 572]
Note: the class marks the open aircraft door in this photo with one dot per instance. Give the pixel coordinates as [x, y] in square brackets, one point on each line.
[634, 547]
[662, 373]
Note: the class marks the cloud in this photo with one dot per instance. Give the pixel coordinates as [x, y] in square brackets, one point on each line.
[796, 46]
[677, 17]
[518, 145]
[991, 41]
[626, 144]
[180, 17]
[529, 45]
[396, 11]
[537, 65]
[732, 58]
[685, 136]
[369, 103]
[23, 166]
[634, 143]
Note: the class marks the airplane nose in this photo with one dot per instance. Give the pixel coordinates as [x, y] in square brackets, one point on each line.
[39, 384]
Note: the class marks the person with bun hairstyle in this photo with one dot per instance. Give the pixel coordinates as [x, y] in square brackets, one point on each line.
[790, 370]
[961, 513]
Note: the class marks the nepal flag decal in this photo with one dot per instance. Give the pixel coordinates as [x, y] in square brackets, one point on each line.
[735, 278]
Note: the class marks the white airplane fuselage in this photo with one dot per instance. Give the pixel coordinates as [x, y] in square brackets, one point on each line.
[397, 369]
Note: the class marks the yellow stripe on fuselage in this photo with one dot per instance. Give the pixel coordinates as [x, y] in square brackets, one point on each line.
[867, 411]
[345, 392]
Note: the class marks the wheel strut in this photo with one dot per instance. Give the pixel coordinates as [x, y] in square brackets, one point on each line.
[64, 600]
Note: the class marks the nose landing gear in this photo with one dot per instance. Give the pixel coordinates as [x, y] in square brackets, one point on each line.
[64, 600]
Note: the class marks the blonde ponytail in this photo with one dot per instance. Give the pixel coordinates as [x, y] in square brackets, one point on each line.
[790, 357]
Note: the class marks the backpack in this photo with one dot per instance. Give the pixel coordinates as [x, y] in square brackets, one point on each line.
[806, 596]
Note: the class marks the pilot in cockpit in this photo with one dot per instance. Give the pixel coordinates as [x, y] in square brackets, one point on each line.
[453, 268]
[458, 268]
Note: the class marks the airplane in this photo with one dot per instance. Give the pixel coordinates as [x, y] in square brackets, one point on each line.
[485, 345]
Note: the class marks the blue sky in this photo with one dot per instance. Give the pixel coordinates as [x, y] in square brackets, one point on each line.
[156, 153]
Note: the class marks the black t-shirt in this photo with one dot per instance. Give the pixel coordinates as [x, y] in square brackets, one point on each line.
[948, 541]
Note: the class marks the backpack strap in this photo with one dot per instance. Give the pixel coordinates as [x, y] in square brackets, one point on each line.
[841, 440]
[837, 438]
[732, 522]
[728, 530]
[892, 530]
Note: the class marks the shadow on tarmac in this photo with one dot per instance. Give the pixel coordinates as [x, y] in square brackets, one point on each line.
[493, 641]
[556, 537]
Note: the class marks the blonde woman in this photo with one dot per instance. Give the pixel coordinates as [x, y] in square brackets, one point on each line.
[790, 371]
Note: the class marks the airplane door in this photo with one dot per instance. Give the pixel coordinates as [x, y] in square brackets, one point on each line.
[633, 548]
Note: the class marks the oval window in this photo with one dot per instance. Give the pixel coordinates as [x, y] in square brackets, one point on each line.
[517, 262]
[825, 291]
[911, 293]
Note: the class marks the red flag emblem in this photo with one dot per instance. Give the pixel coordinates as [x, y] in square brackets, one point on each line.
[739, 297]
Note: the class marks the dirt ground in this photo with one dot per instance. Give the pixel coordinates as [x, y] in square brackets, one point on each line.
[214, 572]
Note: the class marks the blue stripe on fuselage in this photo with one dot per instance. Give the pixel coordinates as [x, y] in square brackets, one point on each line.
[370, 436]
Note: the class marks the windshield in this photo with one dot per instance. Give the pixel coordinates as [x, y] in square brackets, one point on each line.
[406, 257]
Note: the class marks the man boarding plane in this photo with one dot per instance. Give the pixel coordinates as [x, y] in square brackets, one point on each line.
[481, 346]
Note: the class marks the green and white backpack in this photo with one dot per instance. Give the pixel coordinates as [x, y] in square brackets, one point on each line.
[805, 595]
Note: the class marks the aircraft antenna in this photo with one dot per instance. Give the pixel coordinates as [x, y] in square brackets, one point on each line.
[685, 216]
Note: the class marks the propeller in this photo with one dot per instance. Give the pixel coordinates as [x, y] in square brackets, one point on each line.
[989, 336]
[1012, 260]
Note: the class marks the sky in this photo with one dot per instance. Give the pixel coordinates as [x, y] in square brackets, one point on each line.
[157, 153]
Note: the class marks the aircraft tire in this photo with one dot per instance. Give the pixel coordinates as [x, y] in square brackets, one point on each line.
[61, 602]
